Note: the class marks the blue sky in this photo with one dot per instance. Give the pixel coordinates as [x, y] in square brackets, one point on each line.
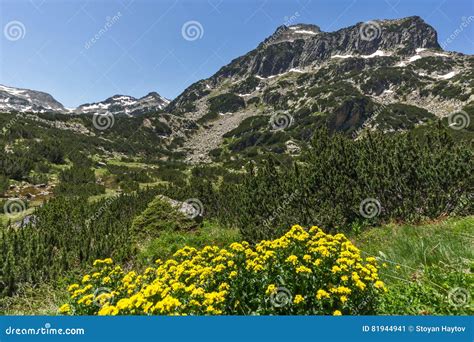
[143, 48]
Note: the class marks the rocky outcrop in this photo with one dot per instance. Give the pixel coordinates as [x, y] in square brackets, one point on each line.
[299, 46]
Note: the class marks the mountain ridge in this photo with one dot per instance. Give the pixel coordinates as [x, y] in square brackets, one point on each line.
[382, 74]
[13, 99]
[27, 100]
[125, 104]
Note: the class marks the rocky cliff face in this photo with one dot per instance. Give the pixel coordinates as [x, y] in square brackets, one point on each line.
[300, 46]
[384, 74]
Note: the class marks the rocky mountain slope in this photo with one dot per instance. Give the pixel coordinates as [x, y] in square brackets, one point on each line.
[25, 100]
[385, 74]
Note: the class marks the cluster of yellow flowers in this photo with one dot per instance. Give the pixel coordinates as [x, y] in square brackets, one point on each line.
[302, 272]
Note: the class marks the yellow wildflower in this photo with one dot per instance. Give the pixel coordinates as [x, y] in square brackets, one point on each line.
[322, 294]
[271, 289]
[237, 247]
[224, 287]
[292, 259]
[123, 304]
[65, 309]
[108, 310]
[379, 285]
[73, 287]
[303, 269]
[298, 299]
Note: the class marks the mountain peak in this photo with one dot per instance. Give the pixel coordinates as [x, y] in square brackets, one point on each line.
[304, 28]
[125, 104]
[26, 100]
[304, 45]
[152, 93]
[290, 33]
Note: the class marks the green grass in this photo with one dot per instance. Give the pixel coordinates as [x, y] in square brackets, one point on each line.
[101, 172]
[152, 184]
[35, 300]
[424, 265]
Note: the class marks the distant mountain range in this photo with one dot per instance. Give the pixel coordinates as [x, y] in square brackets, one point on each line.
[388, 75]
[124, 104]
[32, 101]
[26, 100]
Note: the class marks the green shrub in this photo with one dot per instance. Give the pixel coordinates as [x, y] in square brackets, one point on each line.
[68, 233]
[225, 103]
[160, 216]
[411, 177]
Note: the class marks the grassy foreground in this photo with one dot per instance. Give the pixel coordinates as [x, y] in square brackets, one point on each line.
[427, 268]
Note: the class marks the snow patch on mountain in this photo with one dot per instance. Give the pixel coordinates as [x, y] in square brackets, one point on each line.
[25, 100]
[125, 104]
